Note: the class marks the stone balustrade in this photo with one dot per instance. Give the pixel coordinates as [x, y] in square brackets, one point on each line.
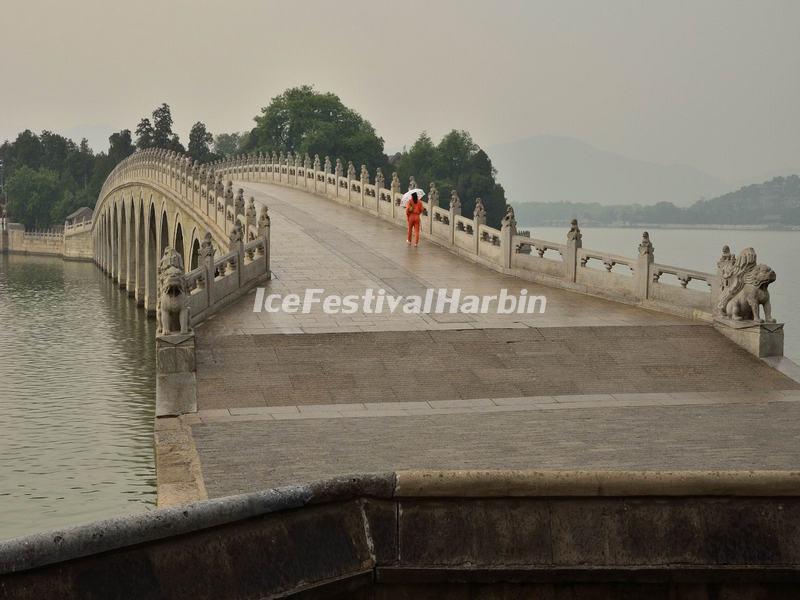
[561, 264]
[635, 280]
[76, 228]
[205, 192]
[146, 204]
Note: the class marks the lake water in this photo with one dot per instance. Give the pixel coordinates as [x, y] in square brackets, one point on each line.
[699, 249]
[77, 397]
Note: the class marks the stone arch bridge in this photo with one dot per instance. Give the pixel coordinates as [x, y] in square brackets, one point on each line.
[255, 398]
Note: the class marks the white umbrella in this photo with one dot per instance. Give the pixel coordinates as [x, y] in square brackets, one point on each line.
[407, 196]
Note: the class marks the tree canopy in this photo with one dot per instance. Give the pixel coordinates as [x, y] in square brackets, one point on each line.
[200, 140]
[456, 163]
[32, 194]
[309, 122]
[228, 144]
[158, 132]
[48, 176]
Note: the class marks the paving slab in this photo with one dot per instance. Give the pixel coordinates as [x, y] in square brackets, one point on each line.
[589, 384]
[239, 457]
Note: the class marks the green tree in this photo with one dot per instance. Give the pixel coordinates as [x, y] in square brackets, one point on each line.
[162, 126]
[302, 120]
[120, 145]
[31, 195]
[144, 134]
[456, 163]
[228, 144]
[200, 140]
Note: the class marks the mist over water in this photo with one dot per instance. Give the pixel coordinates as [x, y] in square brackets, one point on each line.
[77, 396]
[699, 249]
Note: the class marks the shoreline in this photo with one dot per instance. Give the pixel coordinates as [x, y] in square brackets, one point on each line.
[718, 227]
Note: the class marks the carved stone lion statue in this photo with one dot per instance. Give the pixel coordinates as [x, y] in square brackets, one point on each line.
[172, 310]
[752, 293]
[732, 273]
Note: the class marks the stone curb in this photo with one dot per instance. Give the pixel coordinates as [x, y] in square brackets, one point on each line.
[25, 553]
[595, 483]
[40, 549]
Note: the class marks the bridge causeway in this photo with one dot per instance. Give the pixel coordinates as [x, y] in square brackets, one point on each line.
[590, 383]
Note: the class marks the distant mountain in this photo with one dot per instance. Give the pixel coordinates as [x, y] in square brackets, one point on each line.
[774, 203]
[560, 169]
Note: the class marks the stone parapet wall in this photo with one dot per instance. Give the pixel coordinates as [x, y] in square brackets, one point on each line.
[385, 535]
[206, 193]
[79, 243]
[19, 241]
[566, 264]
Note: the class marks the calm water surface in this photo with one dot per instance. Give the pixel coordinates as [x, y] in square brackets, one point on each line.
[699, 249]
[77, 395]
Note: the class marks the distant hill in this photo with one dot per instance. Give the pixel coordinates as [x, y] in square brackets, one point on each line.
[774, 203]
[560, 169]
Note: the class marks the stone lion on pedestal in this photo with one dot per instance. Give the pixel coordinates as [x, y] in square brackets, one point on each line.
[752, 293]
[172, 309]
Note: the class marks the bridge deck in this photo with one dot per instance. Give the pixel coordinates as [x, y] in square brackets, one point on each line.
[588, 384]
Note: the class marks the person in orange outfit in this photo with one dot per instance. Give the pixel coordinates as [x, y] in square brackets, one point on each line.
[414, 210]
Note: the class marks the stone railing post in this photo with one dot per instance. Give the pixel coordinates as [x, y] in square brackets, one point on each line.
[237, 244]
[364, 183]
[433, 200]
[264, 232]
[337, 174]
[207, 252]
[351, 175]
[570, 258]
[455, 210]
[508, 230]
[479, 217]
[395, 190]
[644, 267]
[724, 265]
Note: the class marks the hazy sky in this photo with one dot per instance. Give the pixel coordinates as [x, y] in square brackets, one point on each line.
[712, 84]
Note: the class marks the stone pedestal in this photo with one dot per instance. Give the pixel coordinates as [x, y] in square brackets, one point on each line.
[176, 382]
[760, 339]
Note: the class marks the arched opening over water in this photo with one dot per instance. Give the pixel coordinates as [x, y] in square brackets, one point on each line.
[123, 246]
[152, 259]
[115, 242]
[179, 243]
[164, 235]
[140, 250]
[194, 262]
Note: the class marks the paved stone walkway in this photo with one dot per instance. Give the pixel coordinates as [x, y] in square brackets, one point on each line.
[588, 384]
[318, 243]
[380, 367]
[241, 456]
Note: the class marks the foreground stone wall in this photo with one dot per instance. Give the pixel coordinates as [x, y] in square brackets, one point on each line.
[432, 535]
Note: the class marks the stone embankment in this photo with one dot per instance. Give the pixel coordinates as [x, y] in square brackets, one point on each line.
[413, 534]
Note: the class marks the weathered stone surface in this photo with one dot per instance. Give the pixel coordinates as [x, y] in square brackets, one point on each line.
[283, 541]
[357, 367]
[474, 532]
[175, 359]
[176, 394]
[759, 339]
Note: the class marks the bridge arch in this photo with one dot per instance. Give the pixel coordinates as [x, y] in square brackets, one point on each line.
[178, 241]
[154, 199]
[194, 251]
